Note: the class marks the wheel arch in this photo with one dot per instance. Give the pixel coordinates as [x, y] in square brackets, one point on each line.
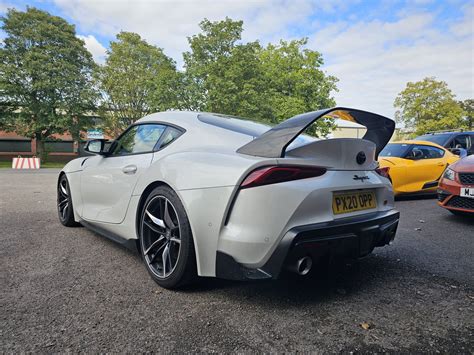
[146, 192]
[61, 173]
[76, 219]
[141, 203]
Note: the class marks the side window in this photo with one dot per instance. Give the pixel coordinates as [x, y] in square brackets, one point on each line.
[426, 152]
[462, 141]
[169, 136]
[451, 144]
[138, 139]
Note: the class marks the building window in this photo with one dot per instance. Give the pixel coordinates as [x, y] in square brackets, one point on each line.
[59, 146]
[15, 145]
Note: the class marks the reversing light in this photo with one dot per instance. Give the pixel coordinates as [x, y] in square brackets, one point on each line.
[276, 174]
[383, 172]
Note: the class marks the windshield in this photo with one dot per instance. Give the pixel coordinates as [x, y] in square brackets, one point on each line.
[440, 139]
[398, 150]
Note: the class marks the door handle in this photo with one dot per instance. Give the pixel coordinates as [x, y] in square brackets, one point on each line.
[440, 164]
[129, 169]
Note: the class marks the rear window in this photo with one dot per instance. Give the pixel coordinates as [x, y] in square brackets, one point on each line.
[248, 127]
[395, 150]
[234, 124]
[168, 136]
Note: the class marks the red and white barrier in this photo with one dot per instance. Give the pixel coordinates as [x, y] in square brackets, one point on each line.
[26, 163]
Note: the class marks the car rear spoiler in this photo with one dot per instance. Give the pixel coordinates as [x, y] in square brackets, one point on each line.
[273, 143]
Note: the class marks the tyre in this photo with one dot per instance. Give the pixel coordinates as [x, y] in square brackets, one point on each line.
[166, 242]
[64, 202]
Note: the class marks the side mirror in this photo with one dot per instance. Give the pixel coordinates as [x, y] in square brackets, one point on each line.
[459, 151]
[96, 146]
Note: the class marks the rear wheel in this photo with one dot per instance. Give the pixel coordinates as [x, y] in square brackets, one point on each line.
[65, 209]
[166, 242]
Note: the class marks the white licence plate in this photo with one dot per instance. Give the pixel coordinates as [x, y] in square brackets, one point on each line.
[467, 192]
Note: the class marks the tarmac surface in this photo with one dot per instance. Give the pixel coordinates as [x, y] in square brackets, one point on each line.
[69, 289]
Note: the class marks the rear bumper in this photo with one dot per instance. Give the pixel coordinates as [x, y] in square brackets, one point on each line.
[351, 237]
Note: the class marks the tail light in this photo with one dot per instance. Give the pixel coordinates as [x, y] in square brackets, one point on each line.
[383, 172]
[275, 174]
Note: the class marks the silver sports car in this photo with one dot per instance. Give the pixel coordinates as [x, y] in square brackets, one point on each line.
[213, 195]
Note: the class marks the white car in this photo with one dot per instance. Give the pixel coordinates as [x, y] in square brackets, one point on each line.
[213, 195]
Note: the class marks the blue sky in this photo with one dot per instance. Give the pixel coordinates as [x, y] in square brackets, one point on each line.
[373, 47]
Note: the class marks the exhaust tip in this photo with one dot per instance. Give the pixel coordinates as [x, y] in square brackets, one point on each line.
[303, 266]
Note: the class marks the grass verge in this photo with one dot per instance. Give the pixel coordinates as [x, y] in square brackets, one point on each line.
[8, 164]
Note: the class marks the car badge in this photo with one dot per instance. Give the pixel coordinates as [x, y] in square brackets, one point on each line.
[361, 178]
[361, 158]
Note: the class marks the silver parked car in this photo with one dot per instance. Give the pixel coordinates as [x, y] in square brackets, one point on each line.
[213, 195]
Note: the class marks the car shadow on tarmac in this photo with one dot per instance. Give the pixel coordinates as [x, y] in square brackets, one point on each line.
[325, 282]
[326, 278]
[374, 274]
[466, 220]
[412, 197]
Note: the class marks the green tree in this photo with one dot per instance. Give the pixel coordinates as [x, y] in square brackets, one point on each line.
[220, 74]
[428, 105]
[270, 84]
[468, 119]
[295, 83]
[45, 76]
[137, 79]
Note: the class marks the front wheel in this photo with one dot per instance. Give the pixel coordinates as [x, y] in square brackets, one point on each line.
[166, 242]
[64, 203]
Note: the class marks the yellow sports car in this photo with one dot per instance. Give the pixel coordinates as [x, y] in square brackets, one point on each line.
[415, 166]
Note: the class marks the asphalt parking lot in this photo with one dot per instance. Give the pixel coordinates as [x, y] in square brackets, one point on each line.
[68, 289]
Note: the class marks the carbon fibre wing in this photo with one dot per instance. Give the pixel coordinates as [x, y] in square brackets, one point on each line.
[273, 143]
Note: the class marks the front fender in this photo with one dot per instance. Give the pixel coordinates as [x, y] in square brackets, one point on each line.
[72, 171]
[74, 165]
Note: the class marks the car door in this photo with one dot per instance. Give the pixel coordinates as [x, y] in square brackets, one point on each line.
[107, 182]
[425, 166]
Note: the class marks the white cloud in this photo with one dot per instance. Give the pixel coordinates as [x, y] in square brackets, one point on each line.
[374, 60]
[93, 45]
[169, 23]
[4, 6]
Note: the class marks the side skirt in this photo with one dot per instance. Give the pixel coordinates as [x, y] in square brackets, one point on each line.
[130, 244]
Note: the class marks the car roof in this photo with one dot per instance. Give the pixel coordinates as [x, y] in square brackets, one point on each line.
[185, 119]
[204, 133]
[413, 141]
[450, 133]
[193, 119]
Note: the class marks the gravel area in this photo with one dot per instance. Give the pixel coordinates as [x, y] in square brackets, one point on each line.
[71, 290]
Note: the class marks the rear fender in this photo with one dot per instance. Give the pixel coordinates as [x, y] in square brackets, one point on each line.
[196, 170]
[205, 183]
